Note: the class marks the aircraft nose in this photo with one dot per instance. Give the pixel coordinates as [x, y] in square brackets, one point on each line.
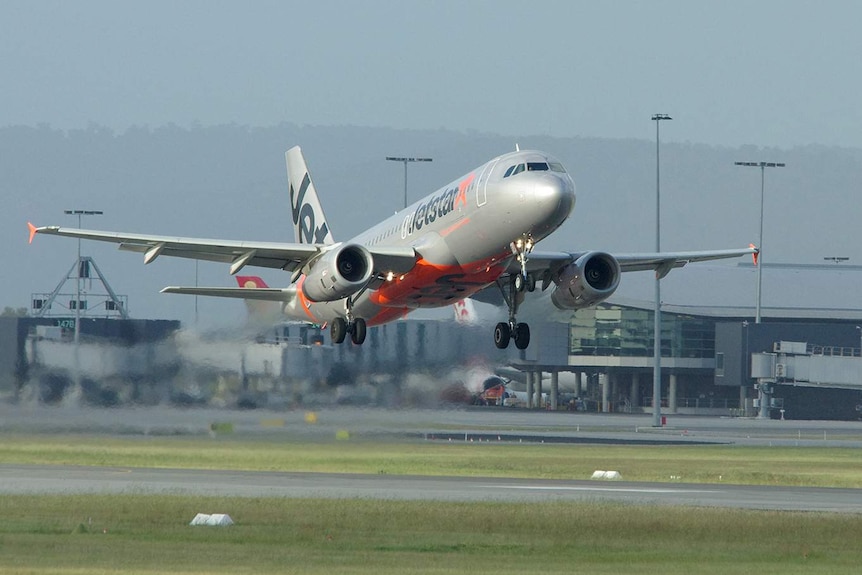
[555, 198]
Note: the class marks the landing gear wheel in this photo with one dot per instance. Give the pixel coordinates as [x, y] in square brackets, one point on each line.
[522, 336]
[531, 283]
[337, 330]
[520, 283]
[358, 331]
[502, 335]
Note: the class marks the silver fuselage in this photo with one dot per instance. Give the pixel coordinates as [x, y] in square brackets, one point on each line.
[464, 234]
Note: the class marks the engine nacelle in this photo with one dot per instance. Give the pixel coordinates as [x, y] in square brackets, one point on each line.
[593, 278]
[341, 272]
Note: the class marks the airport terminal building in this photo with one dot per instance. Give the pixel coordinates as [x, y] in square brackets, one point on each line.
[707, 360]
[714, 361]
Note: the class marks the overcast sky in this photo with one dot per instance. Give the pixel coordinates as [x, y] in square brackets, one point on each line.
[768, 73]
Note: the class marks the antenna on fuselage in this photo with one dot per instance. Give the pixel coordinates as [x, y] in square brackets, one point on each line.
[517, 147]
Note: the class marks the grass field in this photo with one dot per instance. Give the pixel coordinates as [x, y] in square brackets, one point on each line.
[131, 534]
[150, 535]
[802, 466]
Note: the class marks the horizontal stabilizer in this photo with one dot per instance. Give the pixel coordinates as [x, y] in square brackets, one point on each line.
[265, 294]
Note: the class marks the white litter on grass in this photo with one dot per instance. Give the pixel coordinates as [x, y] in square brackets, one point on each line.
[607, 475]
[219, 519]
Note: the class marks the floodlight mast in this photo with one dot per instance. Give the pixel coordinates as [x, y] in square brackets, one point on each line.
[762, 166]
[405, 161]
[79, 213]
[763, 389]
[656, 381]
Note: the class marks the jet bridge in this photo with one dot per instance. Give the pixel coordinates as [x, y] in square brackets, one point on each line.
[806, 365]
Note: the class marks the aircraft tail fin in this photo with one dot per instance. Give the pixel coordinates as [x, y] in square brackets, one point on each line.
[465, 312]
[258, 311]
[309, 223]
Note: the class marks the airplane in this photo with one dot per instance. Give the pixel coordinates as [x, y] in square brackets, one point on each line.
[477, 232]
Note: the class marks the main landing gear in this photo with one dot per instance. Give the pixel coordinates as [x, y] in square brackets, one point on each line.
[340, 327]
[517, 284]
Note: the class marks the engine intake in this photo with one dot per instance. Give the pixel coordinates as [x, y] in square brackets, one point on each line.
[341, 272]
[591, 279]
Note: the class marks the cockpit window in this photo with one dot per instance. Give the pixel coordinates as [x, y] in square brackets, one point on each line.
[534, 167]
[537, 167]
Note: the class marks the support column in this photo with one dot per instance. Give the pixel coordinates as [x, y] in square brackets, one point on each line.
[606, 391]
[529, 375]
[555, 390]
[671, 394]
[634, 396]
[743, 397]
[538, 401]
[583, 384]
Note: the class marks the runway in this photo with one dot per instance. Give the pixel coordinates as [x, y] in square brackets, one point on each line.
[424, 425]
[59, 480]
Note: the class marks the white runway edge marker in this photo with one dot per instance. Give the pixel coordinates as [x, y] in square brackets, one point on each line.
[607, 475]
[216, 519]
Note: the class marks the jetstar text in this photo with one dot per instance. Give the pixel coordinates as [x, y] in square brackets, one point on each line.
[436, 207]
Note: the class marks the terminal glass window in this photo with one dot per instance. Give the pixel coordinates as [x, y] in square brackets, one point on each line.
[609, 330]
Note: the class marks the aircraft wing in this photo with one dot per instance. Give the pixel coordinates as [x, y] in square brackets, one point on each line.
[285, 256]
[661, 262]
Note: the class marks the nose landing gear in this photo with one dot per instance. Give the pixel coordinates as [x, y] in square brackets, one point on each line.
[517, 284]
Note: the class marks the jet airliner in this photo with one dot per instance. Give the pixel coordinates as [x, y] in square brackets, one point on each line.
[477, 232]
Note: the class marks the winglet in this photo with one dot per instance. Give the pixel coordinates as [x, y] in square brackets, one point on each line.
[33, 230]
[755, 254]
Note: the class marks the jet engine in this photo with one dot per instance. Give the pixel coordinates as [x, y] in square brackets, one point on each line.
[339, 273]
[591, 279]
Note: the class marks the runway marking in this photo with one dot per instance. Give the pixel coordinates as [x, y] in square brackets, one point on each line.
[610, 489]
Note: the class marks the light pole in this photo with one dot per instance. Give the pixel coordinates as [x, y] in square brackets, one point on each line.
[762, 166]
[406, 161]
[79, 213]
[656, 378]
[76, 347]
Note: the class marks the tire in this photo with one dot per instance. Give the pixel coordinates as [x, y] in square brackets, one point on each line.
[531, 283]
[357, 334]
[519, 283]
[522, 336]
[337, 330]
[502, 335]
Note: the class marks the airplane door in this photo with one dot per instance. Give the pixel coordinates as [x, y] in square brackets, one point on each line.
[482, 184]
